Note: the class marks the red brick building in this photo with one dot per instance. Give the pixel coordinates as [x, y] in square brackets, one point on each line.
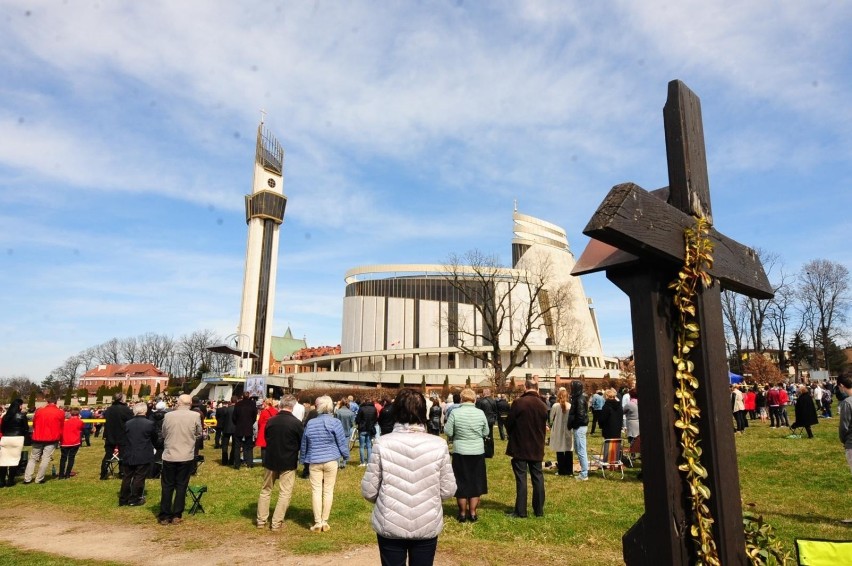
[124, 375]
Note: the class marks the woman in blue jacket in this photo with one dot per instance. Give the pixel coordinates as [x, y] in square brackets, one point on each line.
[323, 444]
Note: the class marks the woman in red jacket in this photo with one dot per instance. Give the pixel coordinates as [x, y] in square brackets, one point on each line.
[267, 413]
[750, 402]
[71, 440]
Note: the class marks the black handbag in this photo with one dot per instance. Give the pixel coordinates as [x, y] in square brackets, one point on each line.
[489, 446]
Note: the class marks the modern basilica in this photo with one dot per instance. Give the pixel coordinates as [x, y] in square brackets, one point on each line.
[407, 323]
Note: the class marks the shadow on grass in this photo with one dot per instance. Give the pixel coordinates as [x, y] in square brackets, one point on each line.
[300, 516]
[810, 518]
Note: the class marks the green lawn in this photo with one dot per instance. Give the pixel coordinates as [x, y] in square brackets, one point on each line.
[797, 484]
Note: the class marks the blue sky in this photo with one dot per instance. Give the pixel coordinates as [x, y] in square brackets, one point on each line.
[127, 142]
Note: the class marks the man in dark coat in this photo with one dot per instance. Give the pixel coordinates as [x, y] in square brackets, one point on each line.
[244, 417]
[115, 436]
[502, 415]
[224, 416]
[488, 405]
[366, 419]
[527, 425]
[281, 458]
[578, 421]
[137, 457]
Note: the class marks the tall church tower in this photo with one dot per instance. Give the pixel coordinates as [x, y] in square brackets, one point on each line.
[264, 215]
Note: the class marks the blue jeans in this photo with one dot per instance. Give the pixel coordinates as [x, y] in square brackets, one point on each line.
[365, 445]
[418, 552]
[580, 450]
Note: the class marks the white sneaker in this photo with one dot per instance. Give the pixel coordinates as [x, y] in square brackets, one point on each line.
[316, 528]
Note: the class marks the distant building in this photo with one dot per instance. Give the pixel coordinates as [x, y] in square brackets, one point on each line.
[283, 348]
[133, 375]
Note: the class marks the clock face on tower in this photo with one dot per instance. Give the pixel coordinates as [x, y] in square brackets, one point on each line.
[271, 183]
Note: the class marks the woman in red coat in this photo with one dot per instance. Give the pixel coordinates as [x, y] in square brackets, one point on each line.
[267, 413]
[750, 402]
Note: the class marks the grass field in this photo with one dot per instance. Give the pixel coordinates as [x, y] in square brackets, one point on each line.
[799, 485]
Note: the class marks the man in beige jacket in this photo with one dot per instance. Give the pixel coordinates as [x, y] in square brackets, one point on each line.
[181, 428]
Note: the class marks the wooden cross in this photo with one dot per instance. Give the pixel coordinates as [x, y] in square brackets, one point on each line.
[638, 239]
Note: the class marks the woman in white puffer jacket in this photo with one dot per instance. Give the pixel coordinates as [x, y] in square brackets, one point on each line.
[408, 476]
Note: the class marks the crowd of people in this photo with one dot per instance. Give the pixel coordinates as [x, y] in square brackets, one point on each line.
[410, 468]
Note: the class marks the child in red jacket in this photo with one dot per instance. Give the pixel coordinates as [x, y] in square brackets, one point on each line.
[71, 441]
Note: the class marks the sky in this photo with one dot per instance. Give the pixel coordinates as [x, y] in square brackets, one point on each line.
[127, 134]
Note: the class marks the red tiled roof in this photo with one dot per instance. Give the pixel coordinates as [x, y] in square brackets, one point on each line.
[125, 370]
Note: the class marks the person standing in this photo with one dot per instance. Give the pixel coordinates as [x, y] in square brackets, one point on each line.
[611, 416]
[181, 428]
[502, 415]
[562, 437]
[138, 456]
[845, 412]
[366, 418]
[15, 430]
[347, 420]
[280, 460]
[267, 413]
[805, 411]
[783, 401]
[47, 432]
[488, 405]
[217, 440]
[407, 479]
[631, 414]
[227, 444]
[323, 444]
[244, 418]
[738, 408]
[578, 421]
[115, 436]
[597, 404]
[468, 428]
[72, 438]
[86, 414]
[527, 426]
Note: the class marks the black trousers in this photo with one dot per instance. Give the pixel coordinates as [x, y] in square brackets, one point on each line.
[501, 426]
[217, 441]
[66, 460]
[596, 415]
[243, 451]
[519, 468]
[174, 479]
[227, 449]
[133, 483]
[414, 552]
[565, 463]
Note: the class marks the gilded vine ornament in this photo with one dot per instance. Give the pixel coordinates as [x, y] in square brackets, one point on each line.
[697, 260]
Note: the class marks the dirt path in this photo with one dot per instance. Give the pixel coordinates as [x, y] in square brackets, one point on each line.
[60, 533]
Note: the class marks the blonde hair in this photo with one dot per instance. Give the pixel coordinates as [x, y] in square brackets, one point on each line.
[468, 396]
[562, 399]
[610, 393]
[325, 405]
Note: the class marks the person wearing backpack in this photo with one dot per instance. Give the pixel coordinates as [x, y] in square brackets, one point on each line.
[434, 424]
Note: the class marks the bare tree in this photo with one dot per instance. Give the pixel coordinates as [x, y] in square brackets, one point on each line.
[508, 306]
[192, 352]
[563, 329]
[156, 349]
[778, 315]
[757, 308]
[823, 289]
[109, 352]
[735, 317]
[65, 376]
[16, 386]
[130, 350]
